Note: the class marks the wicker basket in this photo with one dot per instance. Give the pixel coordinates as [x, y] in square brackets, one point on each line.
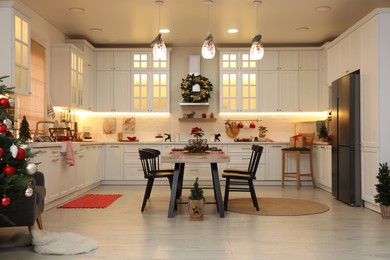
[385, 211]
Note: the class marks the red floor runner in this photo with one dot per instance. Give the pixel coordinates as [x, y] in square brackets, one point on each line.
[100, 201]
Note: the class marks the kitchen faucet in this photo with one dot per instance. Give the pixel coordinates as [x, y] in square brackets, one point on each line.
[55, 124]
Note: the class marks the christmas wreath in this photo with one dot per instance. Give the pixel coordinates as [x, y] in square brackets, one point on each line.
[196, 89]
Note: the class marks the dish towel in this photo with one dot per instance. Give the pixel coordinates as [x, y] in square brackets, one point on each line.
[69, 153]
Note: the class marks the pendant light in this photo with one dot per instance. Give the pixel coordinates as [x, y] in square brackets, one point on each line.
[208, 48]
[257, 50]
[159, 48]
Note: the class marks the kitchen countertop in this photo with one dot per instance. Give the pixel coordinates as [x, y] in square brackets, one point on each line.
[56, 144]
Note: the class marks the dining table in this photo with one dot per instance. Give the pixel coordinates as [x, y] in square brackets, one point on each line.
[182, 158]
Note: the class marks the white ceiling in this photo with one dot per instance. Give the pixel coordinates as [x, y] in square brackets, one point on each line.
[136, 22]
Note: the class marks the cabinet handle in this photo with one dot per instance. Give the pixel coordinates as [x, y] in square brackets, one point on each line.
[114, 146]
[276, 146]
[246, 148]
[41, 151]
[55, 160]
[81, 156]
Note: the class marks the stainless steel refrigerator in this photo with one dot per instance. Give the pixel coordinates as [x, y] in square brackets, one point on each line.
[345, 136]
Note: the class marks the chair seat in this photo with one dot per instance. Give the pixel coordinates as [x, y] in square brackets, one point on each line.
[160, 174]
[304, 149]
[238, 174]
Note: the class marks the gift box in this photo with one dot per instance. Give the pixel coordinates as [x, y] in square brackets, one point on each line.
[297, 141]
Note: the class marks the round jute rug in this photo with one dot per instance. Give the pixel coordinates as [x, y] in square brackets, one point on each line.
[277, 207]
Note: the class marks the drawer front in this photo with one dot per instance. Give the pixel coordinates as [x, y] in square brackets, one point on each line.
[133, 172]
[133, 148]
[239, 148]
[131, 158]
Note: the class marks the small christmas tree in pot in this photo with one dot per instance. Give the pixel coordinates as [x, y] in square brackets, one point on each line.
[196, 202]
[383, 189]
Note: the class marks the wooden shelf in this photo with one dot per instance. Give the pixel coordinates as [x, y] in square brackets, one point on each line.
[197, 119]
[194, 104]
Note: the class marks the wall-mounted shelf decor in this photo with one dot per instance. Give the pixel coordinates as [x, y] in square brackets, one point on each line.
[197, 119]
[194, 104]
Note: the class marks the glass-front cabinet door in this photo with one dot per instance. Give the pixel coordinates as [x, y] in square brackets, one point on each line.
[239, 79]
[150, 83]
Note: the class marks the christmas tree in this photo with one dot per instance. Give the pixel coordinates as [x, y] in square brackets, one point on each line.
[15, 169]
[24, 131]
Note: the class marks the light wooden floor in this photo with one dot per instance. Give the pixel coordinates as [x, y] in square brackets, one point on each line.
[123, 232]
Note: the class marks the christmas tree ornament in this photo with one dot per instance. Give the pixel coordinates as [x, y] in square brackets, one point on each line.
[11, 102]
[1, 151]
[29, 192]
[4, 102]
[3, 129]
[9, 170]
[14, 150]
[21, 154]
[31, 168]
[7, 123]
[5, 201]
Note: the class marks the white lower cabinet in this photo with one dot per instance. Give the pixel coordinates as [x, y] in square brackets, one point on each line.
[132, 168]
[322, 164]
[370, 165]
[113, 167]
[62, 179]
[49, 160]
[274, 161]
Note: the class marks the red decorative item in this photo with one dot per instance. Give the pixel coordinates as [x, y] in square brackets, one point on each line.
[3, 129]
[1, 151]
[21, 154]
[4, 102]
[9, 170]
[252, 125]
[240, 125]
[5, 201]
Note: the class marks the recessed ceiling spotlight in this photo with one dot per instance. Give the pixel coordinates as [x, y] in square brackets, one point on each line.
[302, 29]
[165, 30]
[232, 30]
[96, 30]
[322, 8]
[76, 10]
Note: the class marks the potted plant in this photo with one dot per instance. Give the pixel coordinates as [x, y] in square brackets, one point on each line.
[323, 133]
[262, 133]
[196, 202]
[383, 189]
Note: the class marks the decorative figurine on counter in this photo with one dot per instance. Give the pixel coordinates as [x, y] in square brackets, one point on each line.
[216, 137]
[168, 137]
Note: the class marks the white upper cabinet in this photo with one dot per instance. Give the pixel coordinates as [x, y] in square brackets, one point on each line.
[279, 60]
[15, 48]
[344, 56]
[239, 82]
[308, 60]
[67, 71]
[149, 82]
[113, 81]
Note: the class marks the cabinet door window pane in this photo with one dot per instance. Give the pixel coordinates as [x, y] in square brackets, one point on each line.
[21, 53]
[159, 91]
[140, 61]
[229, 91]
[229, 61]
[140, 91]
[249, 91]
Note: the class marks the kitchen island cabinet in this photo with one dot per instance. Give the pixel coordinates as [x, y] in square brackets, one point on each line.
[322, 166]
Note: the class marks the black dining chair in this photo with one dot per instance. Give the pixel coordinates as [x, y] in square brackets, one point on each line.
[150, 166]
[236, 178]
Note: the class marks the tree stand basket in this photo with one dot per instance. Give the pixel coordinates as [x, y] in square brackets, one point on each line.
[385, 211]
[196, 209]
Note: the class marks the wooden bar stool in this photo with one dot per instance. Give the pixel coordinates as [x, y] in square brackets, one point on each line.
[309, 137]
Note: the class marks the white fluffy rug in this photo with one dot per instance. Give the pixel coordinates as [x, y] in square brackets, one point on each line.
[64, 243]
